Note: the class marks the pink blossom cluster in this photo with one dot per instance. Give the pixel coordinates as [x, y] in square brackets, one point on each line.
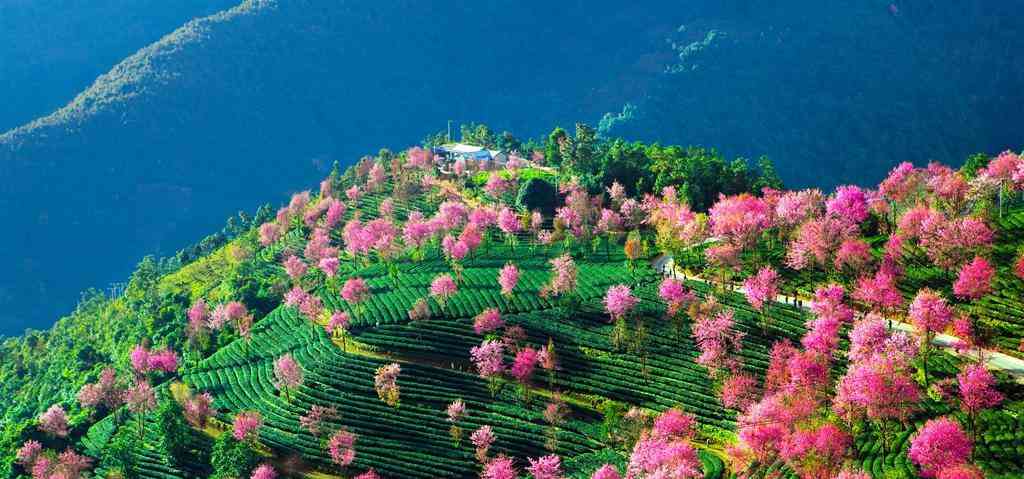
[487, 321]
[741, 218]
[619, 301]
[508, 277]
[313, 420]
[940, 444]
[850, 203]
[488, 358]
[675, 295]
[761, 287]
[104, 392]
[143, 360]
[718, 341]
[975, 279]
[246, 426]
[524, 364]
[443, 287]
[546, 467]
[385, 382]
[563, 275]
[456, 411]
[482, 439]
[341, 447]
[140, 398]
[54, 421]
[264, 471]
[288, 373]
[355, 290]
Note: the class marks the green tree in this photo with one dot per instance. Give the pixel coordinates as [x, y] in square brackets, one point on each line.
[477, 134]
[232, 459]
[174, 430]
[974, 163]
[538, 194]
[552, 147]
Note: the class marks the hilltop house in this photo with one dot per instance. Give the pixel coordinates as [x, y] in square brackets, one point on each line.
[477, 157]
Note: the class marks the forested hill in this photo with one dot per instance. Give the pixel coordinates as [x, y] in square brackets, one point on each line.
[423, 316]
[239, 108]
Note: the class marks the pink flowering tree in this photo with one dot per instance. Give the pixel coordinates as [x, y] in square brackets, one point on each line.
[940, 444]
[676, 297]
[974, 280]
[342, 447]
[977, 392]
[140, 399]
[930, 315]
[508, 278]
[246, 426]
[718, 341]
[385, 381]
[523, 367]
[482, 439]
[879, 293]
[456, 411]
[489, 359]
[288, 375]
[563, 277]
[547, 467]
[761, 290]
[442, 288]
[313, 420]
[817, 452]
[54, 421]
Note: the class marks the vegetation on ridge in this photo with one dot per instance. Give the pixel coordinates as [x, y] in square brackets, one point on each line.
[422, 316]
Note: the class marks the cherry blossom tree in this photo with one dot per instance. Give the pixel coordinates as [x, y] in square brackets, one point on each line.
[546, 467]
[975, 279]
[929, 314]
[54, 421]
[288, 375]
[508, 277]
[482, 439]
[939, 444]
[761, 289]
[977, 392]
[442, 288]
[264, 471]
[246, 426]
[341, 447]
[385, 381]
[456, 412]
[487, 321]
[718, 341]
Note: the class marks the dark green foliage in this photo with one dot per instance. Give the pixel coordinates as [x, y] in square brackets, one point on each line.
[232, 459]
[625, 163]
[117, 454]
[974, 163]
[702, 174]
[173, 429]
[538, 194]
[478, 134]
[552, 153]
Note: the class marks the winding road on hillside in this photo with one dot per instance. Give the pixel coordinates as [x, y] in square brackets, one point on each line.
[994, 360]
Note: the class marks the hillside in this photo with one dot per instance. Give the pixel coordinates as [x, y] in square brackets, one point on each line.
[417, 318]
[40, 71]
[266, 94]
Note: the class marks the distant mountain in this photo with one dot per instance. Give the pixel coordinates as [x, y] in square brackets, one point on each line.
[240, 107]
[836, 91]
[52, 49]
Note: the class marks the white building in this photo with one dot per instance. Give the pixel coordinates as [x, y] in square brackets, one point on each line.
[478, 156]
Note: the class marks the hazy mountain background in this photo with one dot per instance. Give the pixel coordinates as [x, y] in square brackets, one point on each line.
[141, 133]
